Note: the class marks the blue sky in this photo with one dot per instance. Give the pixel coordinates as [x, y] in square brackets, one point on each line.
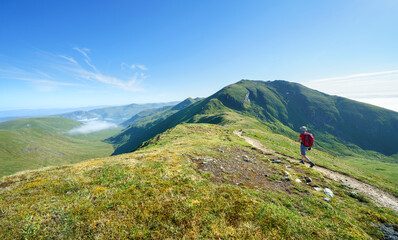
[83, 53]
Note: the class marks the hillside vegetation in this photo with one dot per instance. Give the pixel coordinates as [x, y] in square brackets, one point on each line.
[34, 143]
[339, 125]
[194, 181]
[117, 114]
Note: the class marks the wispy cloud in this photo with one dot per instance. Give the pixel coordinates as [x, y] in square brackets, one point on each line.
[92, 126]
[378, 88]
[60, 70]
[133, 66]
[41, 81]
[68, 59]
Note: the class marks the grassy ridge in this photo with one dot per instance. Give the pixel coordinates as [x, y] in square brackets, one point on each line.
[53, 124]
[166, 190]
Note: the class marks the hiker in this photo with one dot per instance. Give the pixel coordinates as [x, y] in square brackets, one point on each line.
[307, 140]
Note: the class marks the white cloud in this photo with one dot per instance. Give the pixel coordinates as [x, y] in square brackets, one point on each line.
[83, 51]
[61, 71]
[92, 126]
[377, 88]
[68, 59]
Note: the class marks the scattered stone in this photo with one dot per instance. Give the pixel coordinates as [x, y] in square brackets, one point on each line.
[326, 199]
[308, 179]
[204, 163]
[277, 161]
[328, 192]
[354, 193]
[246, 160]
[288, 166]
[390, 231]
[318, 189]
[287, 173]
[69, 192]
[164, 176]
[298, 180]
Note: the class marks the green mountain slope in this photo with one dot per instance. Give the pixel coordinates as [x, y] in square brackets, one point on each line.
[39, 142]
[264, 103]
[191, 182]
[146, 125]
[116, 114]
[339, 124]
[54, 124]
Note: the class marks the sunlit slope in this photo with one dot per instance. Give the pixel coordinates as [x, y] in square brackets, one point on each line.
[54, 124]
[192, 182]
[39, 142]
[341, 126]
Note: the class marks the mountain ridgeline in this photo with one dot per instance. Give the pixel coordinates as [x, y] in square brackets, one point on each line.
[340, 125]
[117, 114]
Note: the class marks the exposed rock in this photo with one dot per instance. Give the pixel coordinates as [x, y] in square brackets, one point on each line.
[326, 199]
[298, 180]
[390, 231]
[277, 161]
[318, 189]
[328, 192]
[288, 166]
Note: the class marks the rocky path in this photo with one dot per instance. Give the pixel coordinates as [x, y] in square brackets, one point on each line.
[379, 196]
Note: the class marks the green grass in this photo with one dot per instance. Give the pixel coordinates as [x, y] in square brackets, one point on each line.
[162, 192]
[54, 124]
[26, 149]
[38, 142]
[375, 169]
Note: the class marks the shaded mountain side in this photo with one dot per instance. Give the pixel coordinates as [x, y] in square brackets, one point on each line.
[145, 128]
[154, 115]
[340, 125]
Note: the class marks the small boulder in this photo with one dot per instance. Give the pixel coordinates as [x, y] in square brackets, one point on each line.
[326, 199]
[318, 189]
[298, 180]
[328, 192]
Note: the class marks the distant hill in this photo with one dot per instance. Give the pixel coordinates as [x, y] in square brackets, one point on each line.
[6, 115]
[145, 125]
[117, 114]
[339, 124]
[33, 143]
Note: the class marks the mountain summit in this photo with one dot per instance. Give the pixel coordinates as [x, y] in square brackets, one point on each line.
[283, 107]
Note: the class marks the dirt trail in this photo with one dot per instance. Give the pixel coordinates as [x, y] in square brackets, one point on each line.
[382, 198]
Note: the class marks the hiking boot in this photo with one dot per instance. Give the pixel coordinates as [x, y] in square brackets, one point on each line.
[302, 161]
[312, 164]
